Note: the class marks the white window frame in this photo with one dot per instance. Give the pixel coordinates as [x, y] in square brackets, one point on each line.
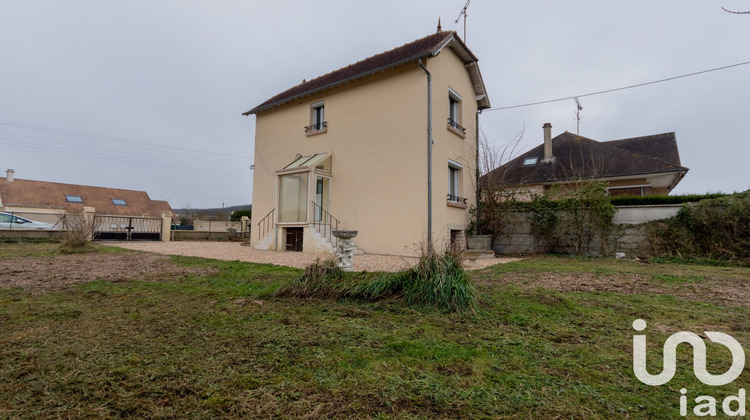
[454, 106]
[531, 161]
[454, 180]
[318, 117]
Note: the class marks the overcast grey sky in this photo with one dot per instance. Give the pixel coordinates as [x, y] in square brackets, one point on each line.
[148, 95]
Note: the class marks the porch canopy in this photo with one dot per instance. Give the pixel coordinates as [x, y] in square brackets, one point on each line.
[296, 181]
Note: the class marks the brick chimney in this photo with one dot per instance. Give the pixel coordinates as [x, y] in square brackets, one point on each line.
[9, 175]
[547, 142]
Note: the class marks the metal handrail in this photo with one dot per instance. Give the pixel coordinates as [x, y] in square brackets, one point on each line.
[328, 224]
[456, 199]
[316, 127]
[267, 225]
[456, 125]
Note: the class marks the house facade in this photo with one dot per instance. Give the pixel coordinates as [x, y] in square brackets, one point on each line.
[640, 166]
[385, 146]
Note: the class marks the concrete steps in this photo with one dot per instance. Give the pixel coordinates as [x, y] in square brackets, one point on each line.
[267, 242]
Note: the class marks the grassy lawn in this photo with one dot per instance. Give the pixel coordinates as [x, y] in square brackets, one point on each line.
[218, 346]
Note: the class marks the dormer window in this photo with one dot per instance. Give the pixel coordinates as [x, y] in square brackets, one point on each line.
[454, 113]
[73, 199]
[318, 122]
[530, 161]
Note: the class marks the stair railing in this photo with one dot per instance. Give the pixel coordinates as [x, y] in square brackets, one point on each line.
[265, 225]
[325, 224]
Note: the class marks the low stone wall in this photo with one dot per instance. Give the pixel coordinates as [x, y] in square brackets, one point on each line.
[642, 214]
[194, 235]
[216, 225]
[631, 238]
[31, 234]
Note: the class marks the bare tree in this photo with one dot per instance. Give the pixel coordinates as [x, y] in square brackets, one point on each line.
[495, 201]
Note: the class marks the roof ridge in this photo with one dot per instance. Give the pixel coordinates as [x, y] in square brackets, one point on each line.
[369, 58]
[607, 144]
[69, 184]
[349, 73]
[654, 158]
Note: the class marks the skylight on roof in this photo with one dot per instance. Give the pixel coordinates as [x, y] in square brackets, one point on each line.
[119, 202]
[530, 161]
[73, 199]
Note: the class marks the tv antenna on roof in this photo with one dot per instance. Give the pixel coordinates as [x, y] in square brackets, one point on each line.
[463, 12]
[579, 108]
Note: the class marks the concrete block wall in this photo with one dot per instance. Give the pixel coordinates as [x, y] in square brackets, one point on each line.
[632, 238]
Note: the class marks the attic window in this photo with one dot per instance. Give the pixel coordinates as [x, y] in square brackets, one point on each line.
[530, 161]
[119, 202]
[73, 199]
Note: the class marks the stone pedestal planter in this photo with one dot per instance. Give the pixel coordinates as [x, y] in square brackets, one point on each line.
[479, 242]
[345, 249]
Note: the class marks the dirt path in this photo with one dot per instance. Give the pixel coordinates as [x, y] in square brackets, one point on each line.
[232, 251]
[40, 275]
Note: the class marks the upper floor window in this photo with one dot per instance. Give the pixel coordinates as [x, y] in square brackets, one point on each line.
[119, 202]
[454, 113]
[318, 122]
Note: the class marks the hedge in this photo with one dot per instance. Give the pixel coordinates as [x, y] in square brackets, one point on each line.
[634, 200]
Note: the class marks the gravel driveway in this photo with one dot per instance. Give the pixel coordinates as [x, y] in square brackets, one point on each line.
[232, 251]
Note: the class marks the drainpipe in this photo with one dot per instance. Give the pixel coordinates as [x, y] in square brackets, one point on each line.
[429, 156]
[479, 188]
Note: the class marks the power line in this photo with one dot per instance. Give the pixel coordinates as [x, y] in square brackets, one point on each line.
[118, 150]
[618, 89]
[58, 151]
[97, 137]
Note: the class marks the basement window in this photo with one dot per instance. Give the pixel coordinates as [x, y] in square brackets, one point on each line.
[119, 202]
[530, 161]
[73, 199]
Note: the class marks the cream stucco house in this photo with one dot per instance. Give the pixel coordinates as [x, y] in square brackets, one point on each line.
[385, 146]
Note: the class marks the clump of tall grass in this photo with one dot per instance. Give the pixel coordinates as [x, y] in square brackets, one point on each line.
[321, 279]
[437, 280]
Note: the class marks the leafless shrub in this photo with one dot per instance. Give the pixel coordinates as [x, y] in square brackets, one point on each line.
[496, 202]
[79, 229]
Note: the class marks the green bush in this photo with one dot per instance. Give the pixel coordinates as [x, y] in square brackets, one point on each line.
[662, 199]
[237, 215]
[572, 218]
[716, 228]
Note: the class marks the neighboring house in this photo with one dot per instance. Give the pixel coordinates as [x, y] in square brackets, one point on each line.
[641, 166]
[352, 146]
[35, 199]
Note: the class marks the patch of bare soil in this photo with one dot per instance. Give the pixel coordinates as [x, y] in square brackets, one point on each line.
[722, 291]
[39, 275]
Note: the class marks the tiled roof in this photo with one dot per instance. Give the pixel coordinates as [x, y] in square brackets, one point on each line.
[412, 51]
[40, 194]
[577, 157]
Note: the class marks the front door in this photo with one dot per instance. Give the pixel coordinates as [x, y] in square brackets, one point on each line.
[294, 239]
